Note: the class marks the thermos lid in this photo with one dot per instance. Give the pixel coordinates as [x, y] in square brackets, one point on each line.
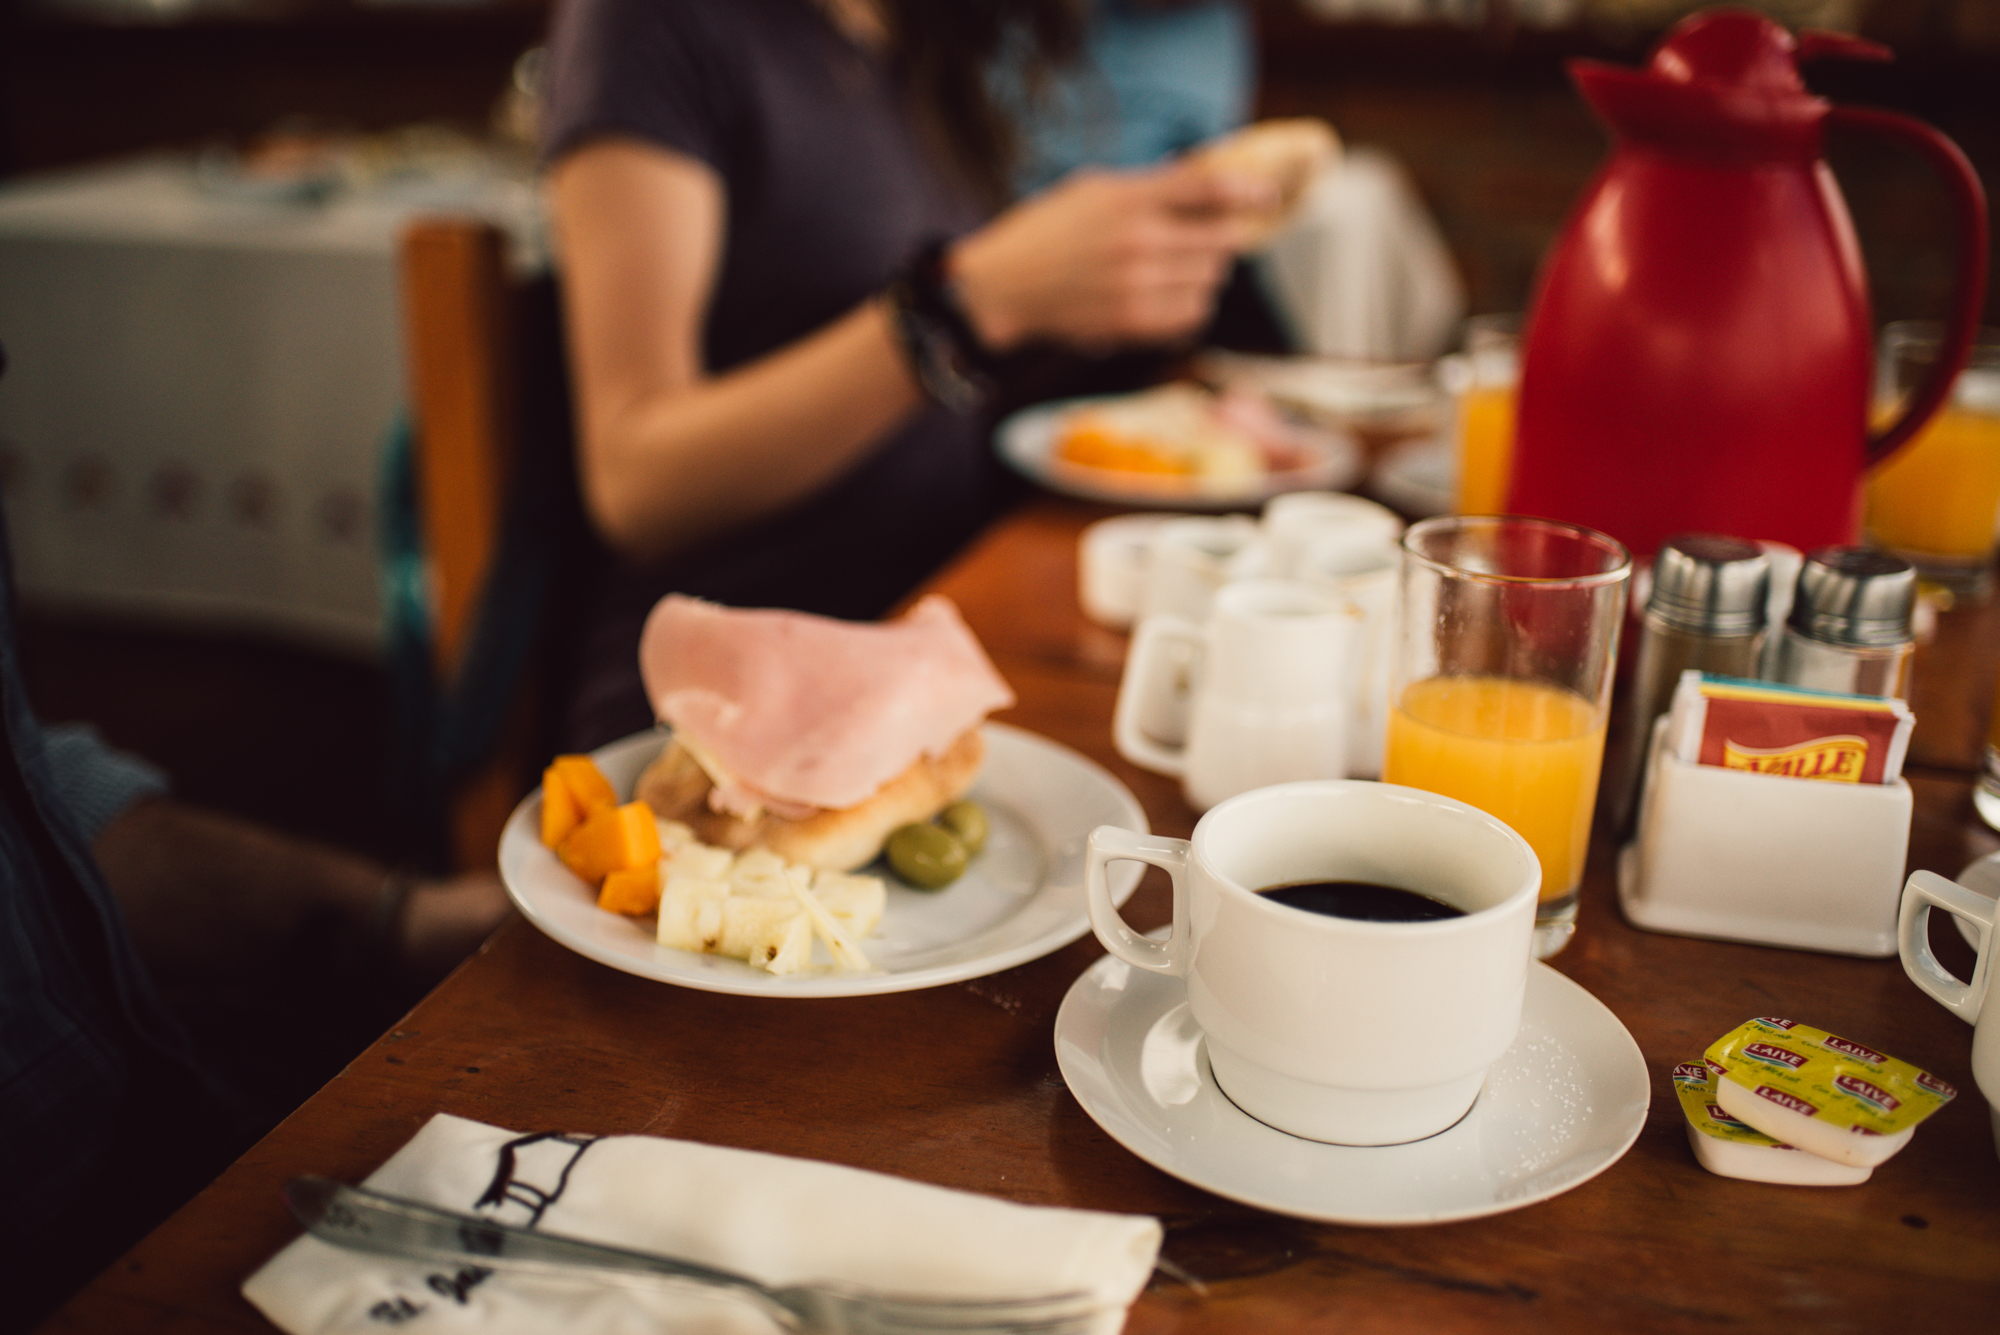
[1709, 583]
[1855, 596]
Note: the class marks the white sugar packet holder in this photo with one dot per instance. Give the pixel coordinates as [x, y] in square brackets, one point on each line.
[777, 1219]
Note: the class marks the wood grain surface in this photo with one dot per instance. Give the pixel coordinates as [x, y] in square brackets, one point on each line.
[958, 1086]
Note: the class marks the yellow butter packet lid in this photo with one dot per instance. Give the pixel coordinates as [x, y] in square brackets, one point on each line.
[1731, 1148]
[1694, 1083]
[1818, 1091]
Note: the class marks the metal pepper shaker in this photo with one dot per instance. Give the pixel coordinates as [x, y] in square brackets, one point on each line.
[1850, 623]
[1706, 611]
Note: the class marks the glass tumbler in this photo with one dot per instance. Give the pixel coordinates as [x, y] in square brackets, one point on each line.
[1936, 501]
[1482, 381]
[1502, 682]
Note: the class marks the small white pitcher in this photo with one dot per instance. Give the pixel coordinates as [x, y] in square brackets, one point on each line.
[1366, 570]
[1187, 561]
[1269, 701]
[1976, 1002]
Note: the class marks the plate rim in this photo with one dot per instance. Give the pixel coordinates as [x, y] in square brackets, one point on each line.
[1554, 987]
[1024, 442]
[523, 822]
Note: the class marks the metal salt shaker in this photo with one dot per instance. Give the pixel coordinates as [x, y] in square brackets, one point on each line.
[1706, 611]
[1850, 624]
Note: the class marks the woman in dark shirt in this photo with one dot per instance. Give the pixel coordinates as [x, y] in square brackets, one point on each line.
[744, 191]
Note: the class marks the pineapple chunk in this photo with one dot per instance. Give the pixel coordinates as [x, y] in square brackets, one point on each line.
[691, 912]
[755, 906]
[673, 833]
[772, 934]
[761, 874]
[846, 954]
[856, 901]
[699, 861]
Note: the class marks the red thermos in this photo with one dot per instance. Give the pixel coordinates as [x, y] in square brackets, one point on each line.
[1700, 347]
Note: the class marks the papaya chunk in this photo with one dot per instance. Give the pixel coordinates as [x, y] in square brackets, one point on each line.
[586, 782]
[611, 839]
[561, 812]
[634, 890]
[572, 788]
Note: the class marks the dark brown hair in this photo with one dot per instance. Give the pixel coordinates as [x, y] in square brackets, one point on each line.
[947, 47]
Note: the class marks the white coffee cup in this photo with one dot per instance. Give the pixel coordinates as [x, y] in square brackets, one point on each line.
[1270, 674]
[1187, 561]
[1334, 1029]
[1976, 1002]
[1111, 560]
[1293, 521]
[1364, 570]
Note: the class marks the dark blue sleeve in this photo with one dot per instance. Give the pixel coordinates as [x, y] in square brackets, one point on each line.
[658, 70]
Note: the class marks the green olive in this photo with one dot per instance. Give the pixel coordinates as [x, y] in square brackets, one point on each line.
[929, 857]
[966, 819]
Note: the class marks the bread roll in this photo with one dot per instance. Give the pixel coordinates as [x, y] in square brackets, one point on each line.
[677, 788]
[1290, 154]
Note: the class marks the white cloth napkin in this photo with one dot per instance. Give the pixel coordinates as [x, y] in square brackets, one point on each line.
[776, 1219]
[1363, 271]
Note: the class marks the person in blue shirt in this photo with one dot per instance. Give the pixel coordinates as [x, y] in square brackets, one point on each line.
[111, 1114]
[1154, 78]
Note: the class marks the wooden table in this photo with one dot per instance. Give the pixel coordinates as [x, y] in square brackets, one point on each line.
[958, 1086]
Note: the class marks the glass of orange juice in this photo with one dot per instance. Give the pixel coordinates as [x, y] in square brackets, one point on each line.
[1936, 501]
[1481, 381]
[1502, 682]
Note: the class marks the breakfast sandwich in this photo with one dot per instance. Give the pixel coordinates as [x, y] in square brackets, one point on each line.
[812, 737]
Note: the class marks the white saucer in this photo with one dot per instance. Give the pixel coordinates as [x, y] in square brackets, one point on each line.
[1564, 1103]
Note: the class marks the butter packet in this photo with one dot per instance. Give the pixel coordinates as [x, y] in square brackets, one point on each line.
[1765, 727]
[1825, 1094]
[1729, 1148]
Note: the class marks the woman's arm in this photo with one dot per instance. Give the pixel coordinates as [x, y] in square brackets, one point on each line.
[671, 455]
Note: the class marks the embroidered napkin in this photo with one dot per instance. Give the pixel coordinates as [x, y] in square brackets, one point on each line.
[776, 1219]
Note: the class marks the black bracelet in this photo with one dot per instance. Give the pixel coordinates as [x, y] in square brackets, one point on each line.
[949, 361]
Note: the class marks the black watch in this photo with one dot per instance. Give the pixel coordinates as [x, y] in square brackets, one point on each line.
[950, 362]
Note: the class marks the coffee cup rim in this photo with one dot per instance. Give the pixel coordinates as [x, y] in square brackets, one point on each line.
[1529, 889]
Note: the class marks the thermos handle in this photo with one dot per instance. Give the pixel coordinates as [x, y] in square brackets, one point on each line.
[1969, 209]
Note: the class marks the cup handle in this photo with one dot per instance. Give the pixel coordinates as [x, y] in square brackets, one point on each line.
[1109, 843]
[1145, 668]
[1913, 922]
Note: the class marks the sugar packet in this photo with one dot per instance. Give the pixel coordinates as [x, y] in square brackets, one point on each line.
[1766, 728]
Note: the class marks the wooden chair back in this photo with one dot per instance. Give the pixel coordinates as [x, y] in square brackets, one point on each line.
[494, 498]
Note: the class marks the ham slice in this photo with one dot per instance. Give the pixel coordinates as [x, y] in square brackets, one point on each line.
[790, 711]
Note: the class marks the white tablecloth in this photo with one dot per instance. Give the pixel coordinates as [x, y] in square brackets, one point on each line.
[199, 385]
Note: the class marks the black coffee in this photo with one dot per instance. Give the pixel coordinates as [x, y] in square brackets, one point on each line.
[1364, 900]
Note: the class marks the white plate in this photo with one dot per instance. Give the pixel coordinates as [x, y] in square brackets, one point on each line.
[1021, 898]
[1027, 441]
[1418, 477]
[1334, 390]
[1564, 1103]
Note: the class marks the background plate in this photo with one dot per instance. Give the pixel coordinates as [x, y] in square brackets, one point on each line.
[1021, 898]
[1027, 439]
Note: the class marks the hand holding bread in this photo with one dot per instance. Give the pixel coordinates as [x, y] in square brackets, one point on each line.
[1288, 155]
[1105, 259]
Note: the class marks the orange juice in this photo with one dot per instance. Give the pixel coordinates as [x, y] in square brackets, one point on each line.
[1940, 494]
[1485, 448]
[1523, 751]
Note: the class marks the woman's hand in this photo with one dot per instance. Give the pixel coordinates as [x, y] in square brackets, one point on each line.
[1107, 258]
